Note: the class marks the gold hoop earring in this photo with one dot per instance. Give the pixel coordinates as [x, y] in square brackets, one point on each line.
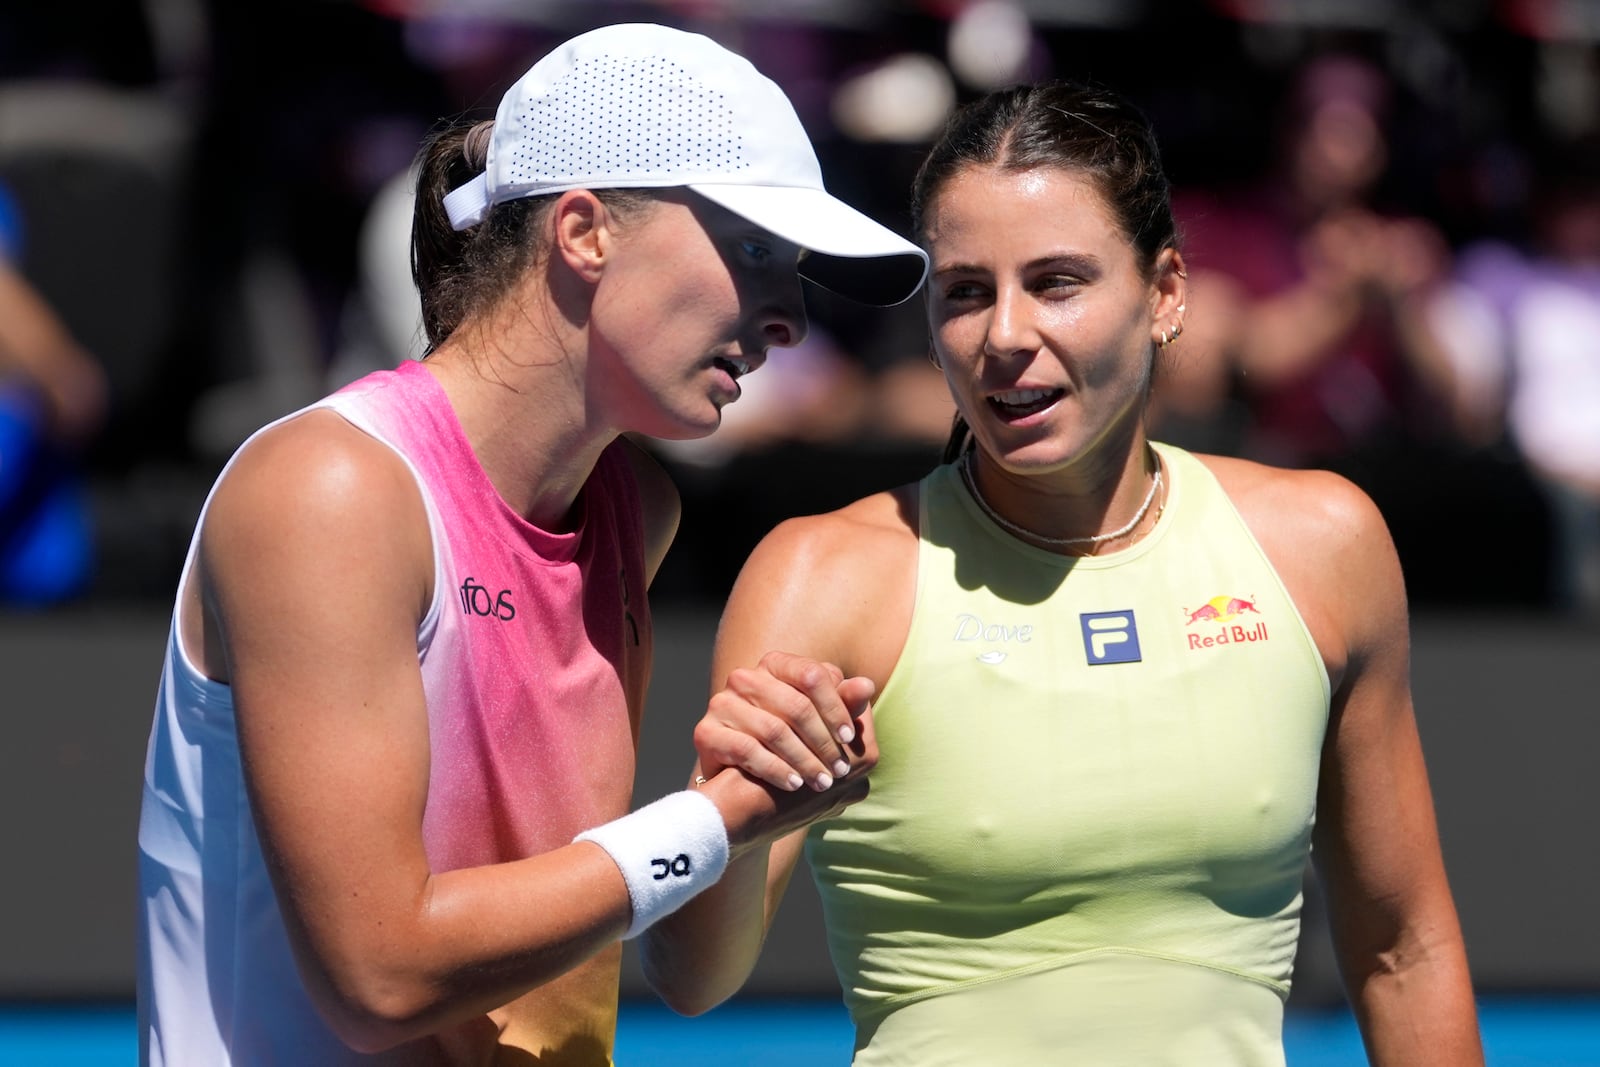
[1163, 342]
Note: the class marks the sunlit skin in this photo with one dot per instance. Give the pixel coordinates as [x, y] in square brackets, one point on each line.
[638, 321]
[673, 327]
[1046, 323]
[1035, 287]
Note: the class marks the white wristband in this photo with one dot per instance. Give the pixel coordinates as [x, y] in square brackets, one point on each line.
[667, 851]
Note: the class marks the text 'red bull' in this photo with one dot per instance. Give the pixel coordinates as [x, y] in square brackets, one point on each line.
[1222, 610]
[1237, 634]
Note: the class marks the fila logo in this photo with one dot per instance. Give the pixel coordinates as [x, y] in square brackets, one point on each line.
[1110, 637]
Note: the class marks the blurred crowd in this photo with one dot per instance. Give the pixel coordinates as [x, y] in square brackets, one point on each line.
[1391, 214]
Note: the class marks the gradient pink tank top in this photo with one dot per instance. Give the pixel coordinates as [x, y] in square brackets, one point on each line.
[535, 658]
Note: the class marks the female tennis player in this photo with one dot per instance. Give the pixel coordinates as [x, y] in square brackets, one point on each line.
[386, 796]
[1123, 689]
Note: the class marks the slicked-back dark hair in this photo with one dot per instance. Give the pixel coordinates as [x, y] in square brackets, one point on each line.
[1083, 128]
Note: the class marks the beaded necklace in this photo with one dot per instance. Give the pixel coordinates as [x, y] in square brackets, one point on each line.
[971, 481]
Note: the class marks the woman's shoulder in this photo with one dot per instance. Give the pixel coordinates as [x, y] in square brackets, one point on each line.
[314, 503]
[1331, 547]
[856, 540]
[316, 470]
[312, 448]
[867, 549]
[1294, 506]
[838, 586]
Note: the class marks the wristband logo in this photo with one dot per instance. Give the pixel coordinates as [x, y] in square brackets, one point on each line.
[677, 867]
[477, 600]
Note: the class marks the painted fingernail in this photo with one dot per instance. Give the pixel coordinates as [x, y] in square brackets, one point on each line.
[841, 769]
[847, 733]
[824, 781]
[795, 781]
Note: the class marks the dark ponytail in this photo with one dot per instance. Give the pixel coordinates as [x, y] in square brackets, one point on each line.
[956, 443]
[462, 273]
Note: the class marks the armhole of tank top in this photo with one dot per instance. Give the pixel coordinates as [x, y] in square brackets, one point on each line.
[179, 653]
[430, 619]
[1194, 468]
[429, 623]
[913, 642]
[622, 493]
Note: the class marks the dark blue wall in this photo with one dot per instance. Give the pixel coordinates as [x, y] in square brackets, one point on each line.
[1507, 705]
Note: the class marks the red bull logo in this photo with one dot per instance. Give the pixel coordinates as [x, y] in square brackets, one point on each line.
[1220, 609]
[1223, 610]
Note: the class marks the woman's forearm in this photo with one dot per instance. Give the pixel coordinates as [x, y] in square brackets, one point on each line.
[1417, 1009]
[701, 954]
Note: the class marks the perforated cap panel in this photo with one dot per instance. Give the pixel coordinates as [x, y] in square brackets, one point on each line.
[642, 106]
[679, 125]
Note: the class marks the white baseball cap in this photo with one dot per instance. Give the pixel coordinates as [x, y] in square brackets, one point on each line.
[644, 106]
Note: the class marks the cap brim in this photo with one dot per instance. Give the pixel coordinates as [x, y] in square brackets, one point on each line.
[850, 253]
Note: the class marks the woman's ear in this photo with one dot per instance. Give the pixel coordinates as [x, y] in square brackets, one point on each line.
[1171, 297]
[582, 235]
[1171, 285]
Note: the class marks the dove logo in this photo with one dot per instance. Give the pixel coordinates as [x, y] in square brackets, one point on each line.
[970, 627]
[1110, 637]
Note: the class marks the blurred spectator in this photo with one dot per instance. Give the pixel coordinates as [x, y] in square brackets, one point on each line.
[1307, 294]
[52, 403]
[289, 157]
[381, 324]
[1310, 313]
[1520, 325]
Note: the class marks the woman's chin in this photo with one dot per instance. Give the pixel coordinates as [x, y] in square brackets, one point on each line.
[687, 427]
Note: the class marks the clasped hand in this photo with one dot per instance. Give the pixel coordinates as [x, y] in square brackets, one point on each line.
[785, 743]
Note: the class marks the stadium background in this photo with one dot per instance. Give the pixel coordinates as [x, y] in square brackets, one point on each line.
[202, 181]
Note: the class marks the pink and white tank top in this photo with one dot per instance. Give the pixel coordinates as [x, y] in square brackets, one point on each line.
[535, 658]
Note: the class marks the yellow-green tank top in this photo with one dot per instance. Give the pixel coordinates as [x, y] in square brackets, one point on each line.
[1087, 832]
